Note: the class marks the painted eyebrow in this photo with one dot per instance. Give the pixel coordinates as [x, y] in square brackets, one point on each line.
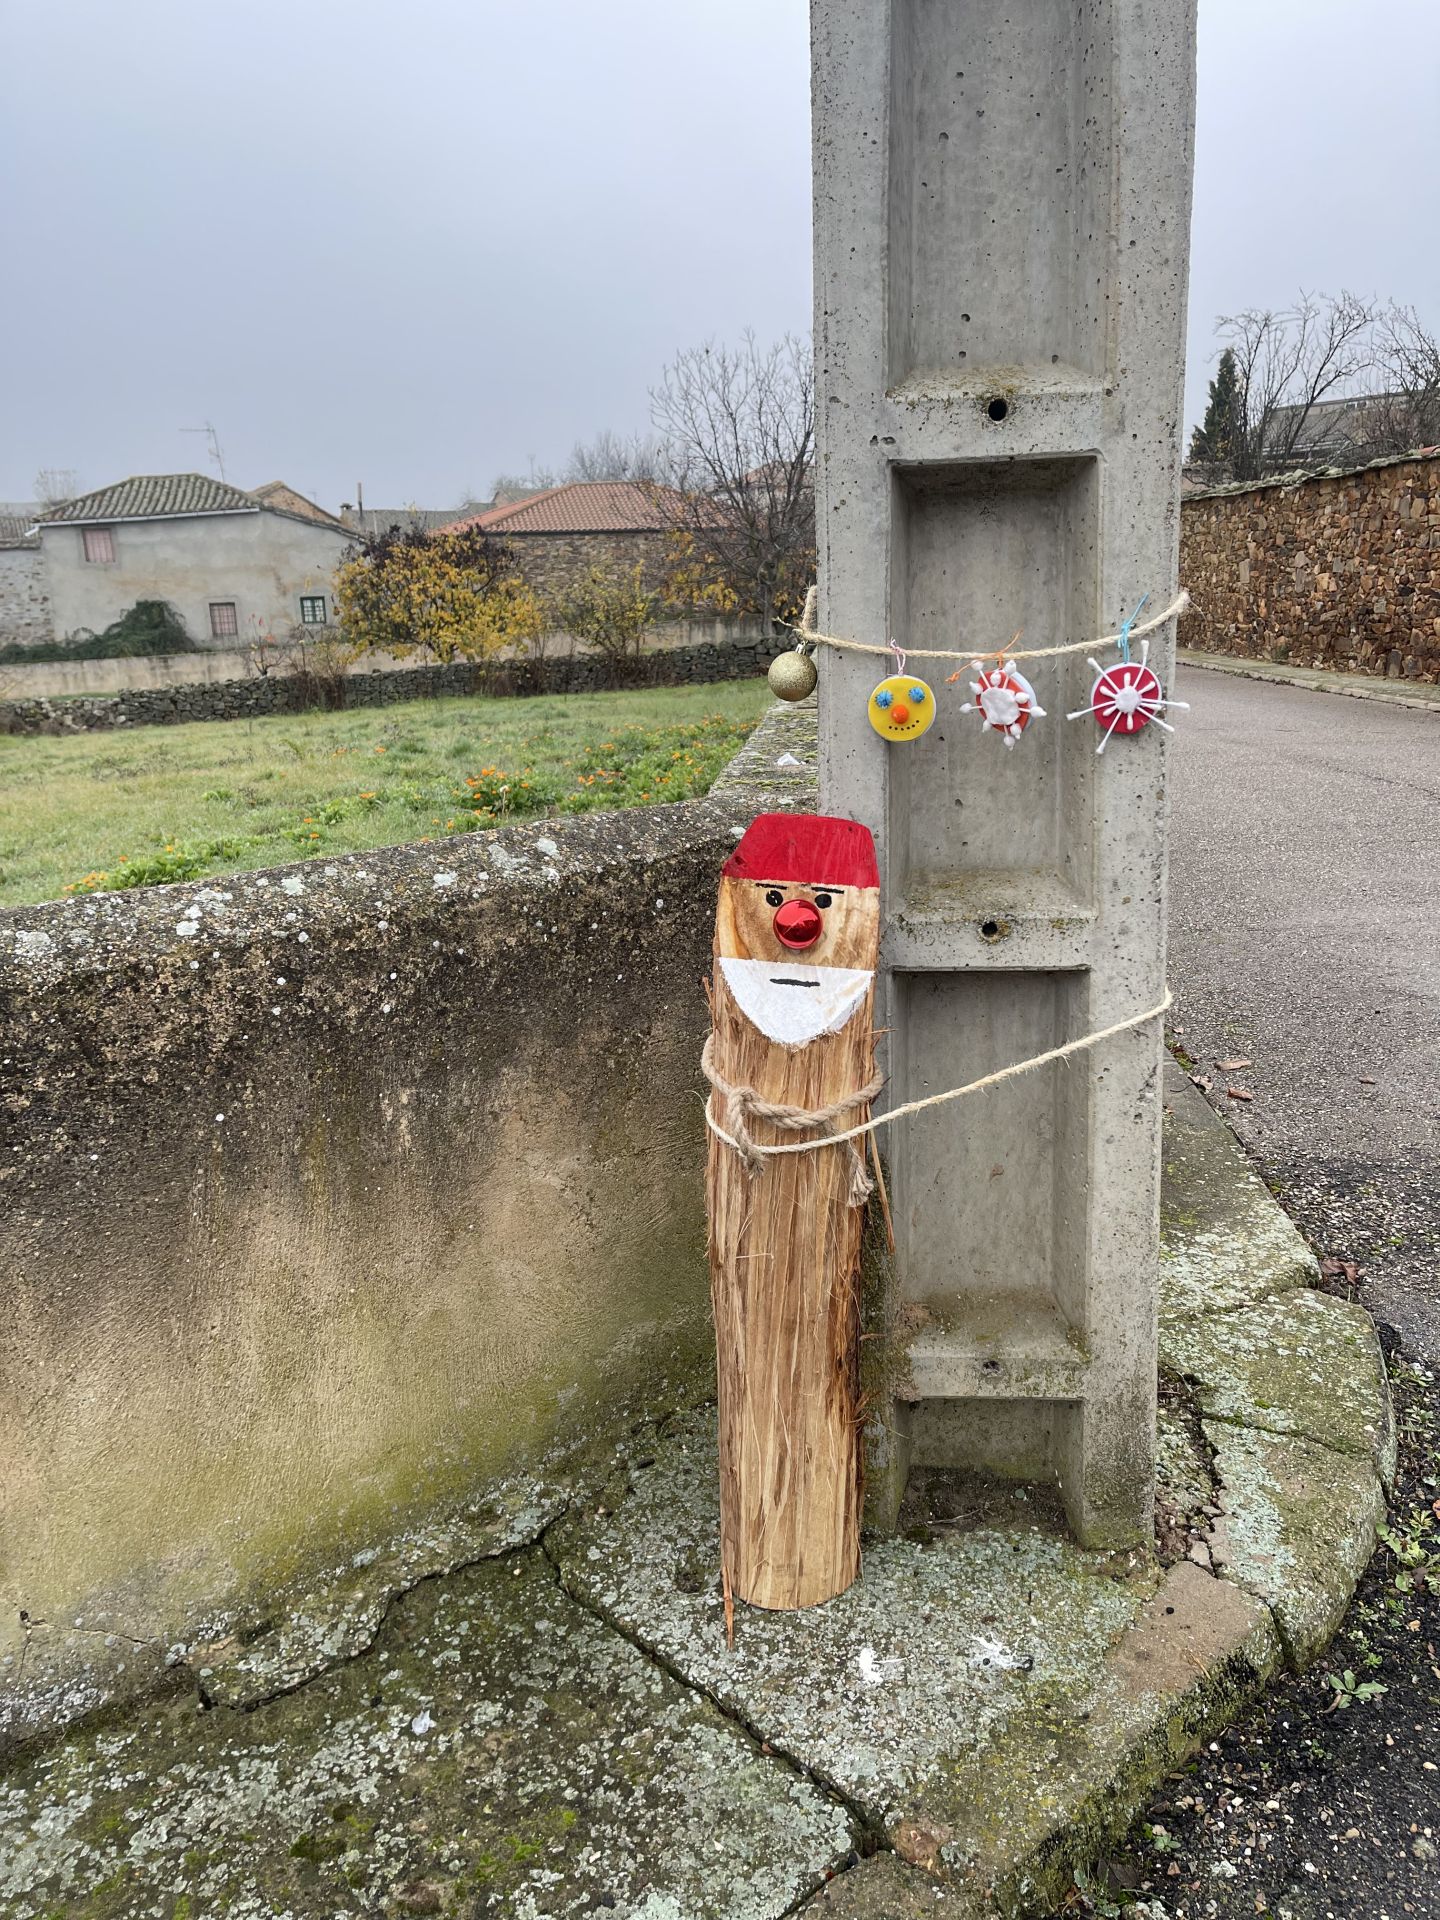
[815, 886]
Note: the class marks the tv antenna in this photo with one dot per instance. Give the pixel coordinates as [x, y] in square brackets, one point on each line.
[213, 439]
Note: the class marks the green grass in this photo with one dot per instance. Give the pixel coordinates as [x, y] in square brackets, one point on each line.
[85, 812]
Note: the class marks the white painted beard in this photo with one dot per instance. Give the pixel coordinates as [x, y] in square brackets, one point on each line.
[794, 1004]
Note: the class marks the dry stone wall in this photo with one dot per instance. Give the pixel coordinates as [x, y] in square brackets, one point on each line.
[1336, 570]
[245, 699]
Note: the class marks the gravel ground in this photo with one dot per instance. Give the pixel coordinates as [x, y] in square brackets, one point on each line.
[1305, 957]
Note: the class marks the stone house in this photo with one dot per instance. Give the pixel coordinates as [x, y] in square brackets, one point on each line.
[24, 604]
[235, 566]
[558, 535]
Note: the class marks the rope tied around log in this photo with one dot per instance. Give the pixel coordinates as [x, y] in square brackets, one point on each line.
[744, 1104]
[795, 1119]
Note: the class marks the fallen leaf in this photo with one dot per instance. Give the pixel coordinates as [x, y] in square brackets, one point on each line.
[1367, 1080]
[1239, 1093]
[1237, 1065]
[1202, 1081]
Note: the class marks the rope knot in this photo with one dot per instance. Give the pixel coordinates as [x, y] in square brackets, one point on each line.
[744, 1105]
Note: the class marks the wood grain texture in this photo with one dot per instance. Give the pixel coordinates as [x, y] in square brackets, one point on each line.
[784, 1268]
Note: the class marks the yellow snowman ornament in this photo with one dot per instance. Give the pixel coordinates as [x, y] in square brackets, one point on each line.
[901, 708]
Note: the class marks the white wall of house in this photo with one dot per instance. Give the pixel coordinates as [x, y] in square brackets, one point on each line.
[261, 563]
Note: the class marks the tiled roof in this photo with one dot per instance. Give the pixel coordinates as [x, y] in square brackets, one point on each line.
[154, 496]
[15, 527]
[585, 506]
[282, 499]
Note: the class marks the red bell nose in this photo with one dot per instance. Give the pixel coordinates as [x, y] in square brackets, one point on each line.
[798, 924]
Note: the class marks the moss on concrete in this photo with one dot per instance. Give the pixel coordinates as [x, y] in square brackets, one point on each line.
[1301, 1363]
[1223, 1241]
[497, 1751]
[1299, 1523]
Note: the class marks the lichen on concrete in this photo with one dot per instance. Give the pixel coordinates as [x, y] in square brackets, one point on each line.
[1223, 1241]
[936, 1647]
[497, 1751]
[338, 1616]
[1299, 1523]
[1301, 1363]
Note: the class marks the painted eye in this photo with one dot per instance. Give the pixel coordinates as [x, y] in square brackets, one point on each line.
[917, 694]
[822, 900]
[774, 898]
[884, 698]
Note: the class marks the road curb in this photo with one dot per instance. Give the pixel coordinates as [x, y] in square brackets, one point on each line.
[1317, 679]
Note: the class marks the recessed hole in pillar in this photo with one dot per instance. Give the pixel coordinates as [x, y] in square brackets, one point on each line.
[989, 1366]
[998, 409]
[993, 930]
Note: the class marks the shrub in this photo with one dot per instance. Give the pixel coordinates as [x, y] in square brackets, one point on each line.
[610, 609]
[150, 626]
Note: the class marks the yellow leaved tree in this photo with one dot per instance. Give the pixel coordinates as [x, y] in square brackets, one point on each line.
[452, 595]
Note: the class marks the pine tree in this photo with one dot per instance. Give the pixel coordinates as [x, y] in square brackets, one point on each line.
[1218, 438]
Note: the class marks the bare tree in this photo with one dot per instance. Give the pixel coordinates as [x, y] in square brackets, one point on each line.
[738, 429]
[54, 484]
[609, 457]
[1287, 363]
[508, 487]
[1407, 363]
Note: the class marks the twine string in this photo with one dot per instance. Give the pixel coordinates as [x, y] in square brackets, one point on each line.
[744, 1104]
[1130, 631]
[741, 1101]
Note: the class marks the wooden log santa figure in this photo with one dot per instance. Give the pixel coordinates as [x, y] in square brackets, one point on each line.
[791, 1058]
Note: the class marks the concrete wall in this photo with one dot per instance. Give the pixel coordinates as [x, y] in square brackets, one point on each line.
[261, 561]
[1337, 570]
[24, 603]
[330, 1196]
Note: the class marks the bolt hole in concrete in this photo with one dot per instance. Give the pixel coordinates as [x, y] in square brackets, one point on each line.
[998, 408]
[990, 1366]
[993, 930]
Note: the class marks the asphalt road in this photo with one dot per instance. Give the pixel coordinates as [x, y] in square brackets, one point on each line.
[1305, 941]
[1305, 938]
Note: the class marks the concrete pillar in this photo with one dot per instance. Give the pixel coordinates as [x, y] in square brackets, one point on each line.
[1002, 203]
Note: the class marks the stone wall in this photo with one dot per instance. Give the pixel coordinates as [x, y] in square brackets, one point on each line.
[1331, 570]
[731, 659]
[24, 603]
[342, 1208]
[553, 562]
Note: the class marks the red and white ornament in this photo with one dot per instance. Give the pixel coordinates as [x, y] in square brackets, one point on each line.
[1004, 699]
[1127, 695]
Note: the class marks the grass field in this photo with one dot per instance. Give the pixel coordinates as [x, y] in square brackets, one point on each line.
[82, 812]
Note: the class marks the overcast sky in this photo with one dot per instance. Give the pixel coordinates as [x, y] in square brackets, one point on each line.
[417, 249]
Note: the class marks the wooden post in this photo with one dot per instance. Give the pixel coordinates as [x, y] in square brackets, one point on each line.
[796, 946]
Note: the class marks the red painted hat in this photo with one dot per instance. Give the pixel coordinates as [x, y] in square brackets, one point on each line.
[814, 848]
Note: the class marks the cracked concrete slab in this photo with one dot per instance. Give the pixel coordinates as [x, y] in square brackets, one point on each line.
[1299, 1524]
[989, 1699]
[497, 1750]
[1224, 1243]
[868, 1691]
[338, 1616]
[1302, 1363]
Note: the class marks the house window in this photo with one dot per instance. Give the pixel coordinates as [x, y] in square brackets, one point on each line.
[312, 610]
[99, 544]
[223, 624]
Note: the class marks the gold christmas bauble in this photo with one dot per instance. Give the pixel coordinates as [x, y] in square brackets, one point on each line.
[792, 676]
